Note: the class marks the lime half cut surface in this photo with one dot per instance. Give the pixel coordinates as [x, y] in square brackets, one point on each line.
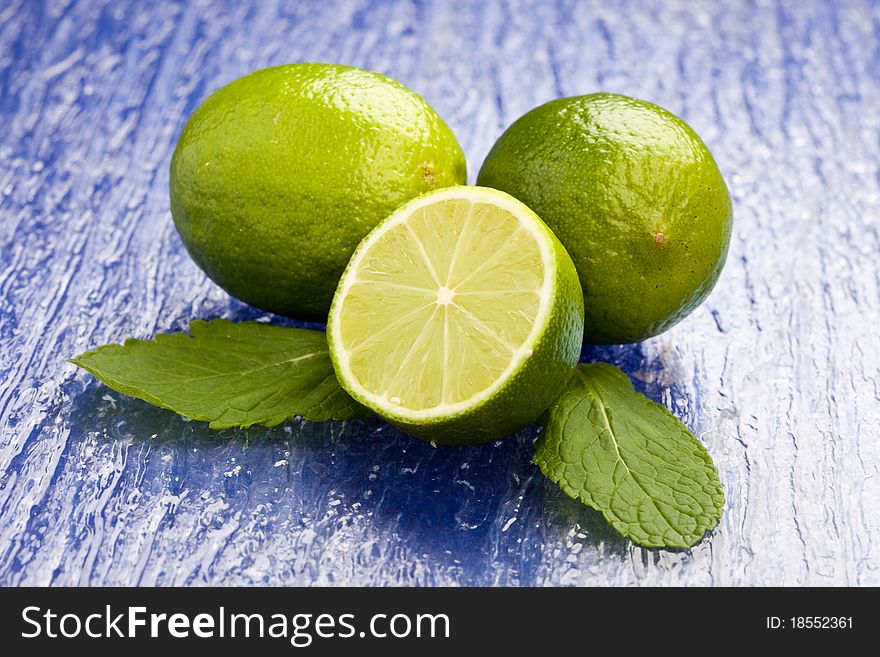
[459, 318]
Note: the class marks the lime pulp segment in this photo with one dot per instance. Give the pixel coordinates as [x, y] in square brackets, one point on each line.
[443, 302]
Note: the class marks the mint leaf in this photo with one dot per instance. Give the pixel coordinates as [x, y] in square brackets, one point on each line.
[629, 458]
[228, 374]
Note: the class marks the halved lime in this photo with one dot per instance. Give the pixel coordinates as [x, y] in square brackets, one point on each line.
[459, 318]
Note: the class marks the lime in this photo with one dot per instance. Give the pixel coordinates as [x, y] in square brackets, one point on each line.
[459, 318]
[278, 175]
[634, 196]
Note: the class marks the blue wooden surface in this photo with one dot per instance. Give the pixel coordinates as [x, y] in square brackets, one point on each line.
[777, 372]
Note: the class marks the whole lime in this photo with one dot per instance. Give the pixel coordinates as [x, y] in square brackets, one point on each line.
[635, 197]
[278, 176]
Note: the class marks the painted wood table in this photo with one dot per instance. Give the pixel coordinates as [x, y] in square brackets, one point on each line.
[777, 373]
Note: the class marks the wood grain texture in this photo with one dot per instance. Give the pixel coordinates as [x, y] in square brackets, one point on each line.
[777, 373]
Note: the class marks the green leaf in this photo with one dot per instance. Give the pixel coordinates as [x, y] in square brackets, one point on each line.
[629, 458]
[228, 374]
